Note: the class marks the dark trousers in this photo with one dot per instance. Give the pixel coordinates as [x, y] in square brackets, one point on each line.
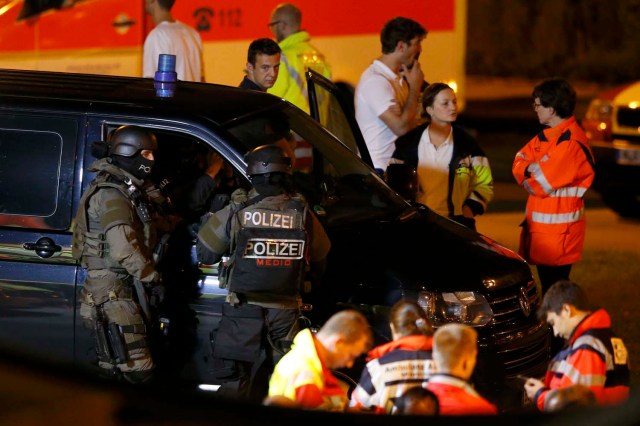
[550, 274]
[254, 339]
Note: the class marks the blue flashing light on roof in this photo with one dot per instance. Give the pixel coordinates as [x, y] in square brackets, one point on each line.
[166, 76]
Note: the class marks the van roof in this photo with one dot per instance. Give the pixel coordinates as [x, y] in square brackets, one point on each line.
[220, 103]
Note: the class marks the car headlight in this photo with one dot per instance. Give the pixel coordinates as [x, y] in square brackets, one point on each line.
[466, 307]
[597, 121]
[599, 109]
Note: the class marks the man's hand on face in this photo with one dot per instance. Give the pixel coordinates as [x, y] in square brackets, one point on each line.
[413, 74]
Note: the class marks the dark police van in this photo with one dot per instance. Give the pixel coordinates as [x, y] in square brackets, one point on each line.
[383, 247]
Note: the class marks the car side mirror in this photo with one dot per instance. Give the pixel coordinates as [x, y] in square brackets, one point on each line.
[403, 179]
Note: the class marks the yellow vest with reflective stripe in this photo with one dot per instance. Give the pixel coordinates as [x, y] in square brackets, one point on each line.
[300, 367]
[297, 56]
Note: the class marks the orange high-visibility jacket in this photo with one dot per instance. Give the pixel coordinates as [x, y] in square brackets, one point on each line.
[556, 168]
[458, 398]
[594, 357]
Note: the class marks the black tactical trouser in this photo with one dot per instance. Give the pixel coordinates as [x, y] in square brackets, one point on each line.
[249, 342]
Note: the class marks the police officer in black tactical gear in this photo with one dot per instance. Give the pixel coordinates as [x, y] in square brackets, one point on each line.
[273, 241]
[114, 237]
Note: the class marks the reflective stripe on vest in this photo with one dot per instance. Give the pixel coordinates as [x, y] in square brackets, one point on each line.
[297, 78]
[585, 343]
[557, 218]
[573, 191]
[536, 173]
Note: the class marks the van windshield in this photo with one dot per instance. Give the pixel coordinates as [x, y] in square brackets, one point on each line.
[340, 187]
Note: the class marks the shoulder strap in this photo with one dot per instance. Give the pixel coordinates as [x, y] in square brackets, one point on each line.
[137, 198]
[235, 209]
[308, 227]
[303, 206]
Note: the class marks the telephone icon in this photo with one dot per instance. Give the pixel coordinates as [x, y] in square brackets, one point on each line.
[203, 16]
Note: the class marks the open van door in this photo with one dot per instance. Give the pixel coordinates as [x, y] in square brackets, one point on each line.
[334, 109]
[330, 107]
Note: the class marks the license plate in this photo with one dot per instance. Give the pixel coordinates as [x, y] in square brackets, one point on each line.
[628, 156]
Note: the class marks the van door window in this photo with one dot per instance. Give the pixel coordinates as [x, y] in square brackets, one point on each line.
[36, 171]
[18, 148]
[332, 179]
[333, 108]
[181, 173]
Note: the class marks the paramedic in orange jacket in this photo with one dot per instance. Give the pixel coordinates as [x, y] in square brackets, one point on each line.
[556, 168]
[593, 355]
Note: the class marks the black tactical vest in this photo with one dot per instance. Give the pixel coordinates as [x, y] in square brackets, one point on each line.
[270, 254]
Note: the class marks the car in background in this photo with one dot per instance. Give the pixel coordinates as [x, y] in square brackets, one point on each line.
[383, 247]
[612, 123]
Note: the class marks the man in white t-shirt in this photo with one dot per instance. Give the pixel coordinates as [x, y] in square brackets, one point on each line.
[172, 37]
[386, 97]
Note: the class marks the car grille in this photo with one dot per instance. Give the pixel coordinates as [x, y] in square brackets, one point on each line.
[627, 124]
[506, 304]
[628, 117]
[519, 339]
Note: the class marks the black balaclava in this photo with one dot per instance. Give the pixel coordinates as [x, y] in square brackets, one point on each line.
[137, 165]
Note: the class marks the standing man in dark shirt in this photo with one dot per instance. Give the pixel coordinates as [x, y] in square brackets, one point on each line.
[263, 64]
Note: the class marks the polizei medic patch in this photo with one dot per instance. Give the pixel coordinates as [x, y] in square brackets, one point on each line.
[270, 252]
[273, 252]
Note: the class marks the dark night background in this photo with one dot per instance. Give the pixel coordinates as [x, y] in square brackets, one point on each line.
[588, 40]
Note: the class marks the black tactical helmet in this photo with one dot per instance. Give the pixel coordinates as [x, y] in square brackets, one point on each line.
[129, 140]
[268, 159]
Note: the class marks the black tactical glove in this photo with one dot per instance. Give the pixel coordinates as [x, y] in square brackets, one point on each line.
[155, 292]
[157, 295]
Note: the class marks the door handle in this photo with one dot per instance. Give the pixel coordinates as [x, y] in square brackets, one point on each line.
[123, 23]
[44, 247]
